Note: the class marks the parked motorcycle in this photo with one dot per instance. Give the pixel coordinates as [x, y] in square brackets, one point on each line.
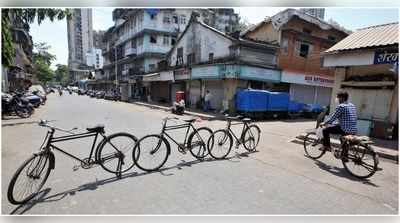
[42, 96]
[13, 104]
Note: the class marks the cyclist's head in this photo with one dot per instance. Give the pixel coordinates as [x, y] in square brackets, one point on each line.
[342, 96]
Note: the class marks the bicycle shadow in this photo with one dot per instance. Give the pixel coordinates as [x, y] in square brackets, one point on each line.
[341, 172]
[43, 198]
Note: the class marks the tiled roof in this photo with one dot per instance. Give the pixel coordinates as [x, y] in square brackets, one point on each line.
[374, 36]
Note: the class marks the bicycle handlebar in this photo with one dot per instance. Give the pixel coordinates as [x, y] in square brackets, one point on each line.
[43, 123]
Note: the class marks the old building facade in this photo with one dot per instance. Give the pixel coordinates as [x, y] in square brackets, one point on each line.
[141, 38]
[366, 66]
[302, 39]
[19, 75]
[205, 58]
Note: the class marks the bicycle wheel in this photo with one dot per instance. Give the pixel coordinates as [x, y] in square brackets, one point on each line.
[197, 142]
[251, 137]
[220, 144]
[151, 152]
[312, 146]
[29, 179]
[362, 161]
[114, 153]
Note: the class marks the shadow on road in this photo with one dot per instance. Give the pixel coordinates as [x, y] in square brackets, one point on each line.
[341, 172]
[42, 196]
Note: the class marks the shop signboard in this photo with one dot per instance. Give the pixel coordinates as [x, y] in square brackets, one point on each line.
[314, 80]
[386, 57]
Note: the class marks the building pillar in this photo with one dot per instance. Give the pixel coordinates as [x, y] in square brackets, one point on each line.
[230, 86]
[394, 105]
[340, 75]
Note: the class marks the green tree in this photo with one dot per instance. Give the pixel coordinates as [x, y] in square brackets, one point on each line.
[42, 53]
[61, 74]
[41, 62]
[43, 71]
[28, 16]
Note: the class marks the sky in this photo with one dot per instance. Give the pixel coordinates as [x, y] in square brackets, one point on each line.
[55, 33]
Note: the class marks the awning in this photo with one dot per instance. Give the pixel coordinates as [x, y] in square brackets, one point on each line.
[162, 76]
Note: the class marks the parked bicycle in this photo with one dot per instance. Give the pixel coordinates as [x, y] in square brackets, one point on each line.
[152, 151]
[358, 157]
[221, 141]
[110, 154]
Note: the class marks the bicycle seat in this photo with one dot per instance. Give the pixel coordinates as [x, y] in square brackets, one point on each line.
[246, 120]
[97, 128]
[190, 120]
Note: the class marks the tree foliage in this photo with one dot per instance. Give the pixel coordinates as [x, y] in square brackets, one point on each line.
[43, 71]
[27, 16]
[242, 25]
[61, 74]
[42, 53]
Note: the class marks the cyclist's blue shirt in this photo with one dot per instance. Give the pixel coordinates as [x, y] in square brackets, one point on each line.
[346, 114]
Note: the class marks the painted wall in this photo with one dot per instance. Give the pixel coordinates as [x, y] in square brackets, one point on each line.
[202, 42]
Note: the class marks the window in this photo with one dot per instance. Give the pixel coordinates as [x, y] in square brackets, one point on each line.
[166, 19]
[173, 41]
[153, 16]
[308, 31]
[140, 41]
[153, 39]
[284, 44]
[211, 57]
[304, 50]
[179, 59]
[175, 19]
[152, 67]
[183, 19]
[166, 40]
[133, 44]
[331, 38]
[190, 58]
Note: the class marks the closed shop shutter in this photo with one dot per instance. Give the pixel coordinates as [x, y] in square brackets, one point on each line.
[195, 92]
[371, 104]
[302, 93]
[216, 89]
[160, 91]
[324, 96]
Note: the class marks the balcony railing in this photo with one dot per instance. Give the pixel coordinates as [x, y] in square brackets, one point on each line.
[130, 51]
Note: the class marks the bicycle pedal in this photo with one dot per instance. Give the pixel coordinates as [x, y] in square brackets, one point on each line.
[75, 168]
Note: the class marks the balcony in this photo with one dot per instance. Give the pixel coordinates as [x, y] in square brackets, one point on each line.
[130, 51]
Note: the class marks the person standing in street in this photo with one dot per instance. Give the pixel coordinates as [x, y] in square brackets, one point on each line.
[207, 101]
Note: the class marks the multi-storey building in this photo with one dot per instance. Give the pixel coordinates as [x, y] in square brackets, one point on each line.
[316, 12]
[98, 39]
[19, 75]
[303, 39]
[141, 38]
[80, 43]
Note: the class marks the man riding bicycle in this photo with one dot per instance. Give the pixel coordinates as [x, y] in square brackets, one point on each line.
[346, 115]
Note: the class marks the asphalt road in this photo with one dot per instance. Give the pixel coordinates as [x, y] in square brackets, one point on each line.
[278, 179]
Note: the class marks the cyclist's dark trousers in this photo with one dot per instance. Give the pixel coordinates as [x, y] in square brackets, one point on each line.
[331, 130]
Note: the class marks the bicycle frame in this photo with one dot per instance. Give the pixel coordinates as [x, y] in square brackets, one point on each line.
[51, 139]
[245, 125]
[188, 126]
